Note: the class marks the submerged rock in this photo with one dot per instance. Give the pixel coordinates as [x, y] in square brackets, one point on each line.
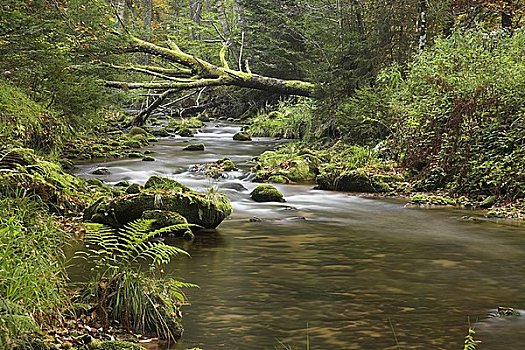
[206, 210]
[242, 136]
[267, 193]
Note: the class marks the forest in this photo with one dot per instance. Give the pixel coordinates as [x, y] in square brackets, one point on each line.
[264, 174]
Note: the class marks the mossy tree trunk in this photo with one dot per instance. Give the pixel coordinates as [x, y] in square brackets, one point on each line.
[196, 73]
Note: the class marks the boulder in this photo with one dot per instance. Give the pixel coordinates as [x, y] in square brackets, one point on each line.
[242, 136]
[199, 209]
[137, 131]
[101, 171]
[133, 189]
[165, 218]
[194, 147]
[352, 181]
[159, 182]
[267, 193]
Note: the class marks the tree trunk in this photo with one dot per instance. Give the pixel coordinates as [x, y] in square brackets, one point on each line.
[196, 17]
[199, 73]
[507, 15]
[423, 25]
[121, 13]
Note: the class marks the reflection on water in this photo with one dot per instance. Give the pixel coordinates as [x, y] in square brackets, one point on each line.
[353, 273]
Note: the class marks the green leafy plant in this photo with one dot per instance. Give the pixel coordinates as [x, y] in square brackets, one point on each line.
[123, 290]
[470, 342]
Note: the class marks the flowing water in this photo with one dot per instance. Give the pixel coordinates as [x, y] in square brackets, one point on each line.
[346, 272]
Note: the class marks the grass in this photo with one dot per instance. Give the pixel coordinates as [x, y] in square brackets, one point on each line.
[32, 273]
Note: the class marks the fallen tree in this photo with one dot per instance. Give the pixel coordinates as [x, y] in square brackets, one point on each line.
[195, 73]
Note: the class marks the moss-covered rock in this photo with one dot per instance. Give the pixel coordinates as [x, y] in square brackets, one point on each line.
[488, 202]
[352, 181]
[113, 345]
[423, 199]
[165, 218]
[278, 179]
[159, 182]
[242, 136]
[148, 159]
[134, 189]
[101, 171]
[185, 132]
[161, 132]
[267, 193]
[194, 147]
[206, 210]
[137, 131]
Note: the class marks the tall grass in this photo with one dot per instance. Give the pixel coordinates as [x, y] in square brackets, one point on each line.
[32, 275]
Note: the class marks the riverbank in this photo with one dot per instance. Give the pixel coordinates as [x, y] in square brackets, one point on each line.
[39, 307]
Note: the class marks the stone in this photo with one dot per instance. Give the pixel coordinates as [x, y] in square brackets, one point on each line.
[133, 189]
[185, 132]
[165, 218]
[95, 182]
[352, 181]
[194, 147]
[267, 193]
[159, 182]
[242, 136]
[101, 171]
[122, 184]
[488, 202]
[148, 159]
[162, 132]
[137, 131]
[200, 209]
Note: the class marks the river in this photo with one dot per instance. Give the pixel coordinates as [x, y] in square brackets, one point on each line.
[345, 271]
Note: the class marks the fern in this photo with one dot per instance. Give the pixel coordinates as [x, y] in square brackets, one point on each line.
[133, 296]
[470, 342]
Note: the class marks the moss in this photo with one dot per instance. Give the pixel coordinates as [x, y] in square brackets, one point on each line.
[132, 143]
[488, 202]
[278, 179]
[242, 136]
[159, 182]
[188, 123]
[227, 164]
[113, 345]
[267, 193]
[162, 132]
[185, 132]
[196, 208]
[194, 147]
[137, 131]
[133, 189]
[423, 199]
[95, 182]
[165, 218]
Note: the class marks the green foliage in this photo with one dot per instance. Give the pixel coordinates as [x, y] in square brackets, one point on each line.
[456, 115]
[290, 120]
[26, 123]
[126, 293]
[46, 49]
[32, 273]
[470, 342]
